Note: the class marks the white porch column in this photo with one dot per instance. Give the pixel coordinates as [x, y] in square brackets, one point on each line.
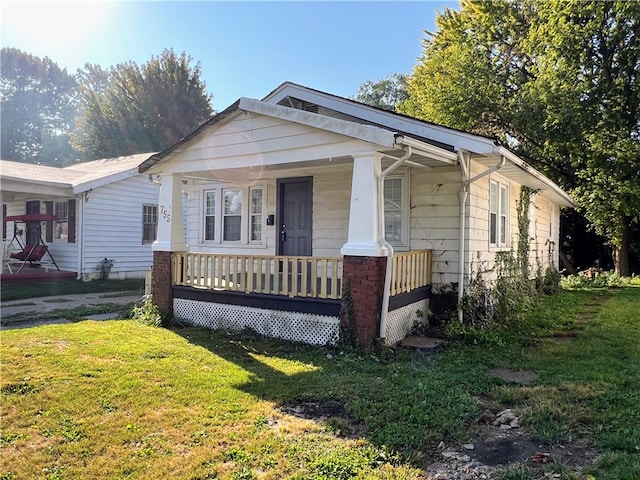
[170, 236]
[363, 239]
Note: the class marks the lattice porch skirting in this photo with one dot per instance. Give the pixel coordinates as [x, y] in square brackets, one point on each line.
[295, 326]
[400, 321]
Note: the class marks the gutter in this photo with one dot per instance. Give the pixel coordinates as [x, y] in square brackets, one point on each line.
[465, 165]
[387, 277]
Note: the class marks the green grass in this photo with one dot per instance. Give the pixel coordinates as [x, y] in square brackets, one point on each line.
[117, 399]
[65, 287]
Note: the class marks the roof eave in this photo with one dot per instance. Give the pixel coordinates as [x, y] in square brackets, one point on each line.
[565, 198]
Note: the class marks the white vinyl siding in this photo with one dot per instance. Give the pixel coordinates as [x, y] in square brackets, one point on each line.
[435, 219]
[112, 228]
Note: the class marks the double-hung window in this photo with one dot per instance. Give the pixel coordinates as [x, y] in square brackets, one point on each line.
[233, 215]
[498, 214]
[61, 225]
[395, 210]
[149, 223]
[209, 215]
[255, 215]
[232, 224]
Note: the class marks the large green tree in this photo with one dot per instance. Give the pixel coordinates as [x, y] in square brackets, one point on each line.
[37, 108]
[555, 80]
[386, 93]
[133, 109]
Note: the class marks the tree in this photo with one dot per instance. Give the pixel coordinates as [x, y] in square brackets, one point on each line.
[130, 109]
[37, 107]
[557, 81]
[385, 93]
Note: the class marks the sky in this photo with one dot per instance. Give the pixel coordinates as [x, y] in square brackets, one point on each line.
[245, 49]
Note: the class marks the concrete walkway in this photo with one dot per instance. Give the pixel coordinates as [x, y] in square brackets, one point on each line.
[40, 305]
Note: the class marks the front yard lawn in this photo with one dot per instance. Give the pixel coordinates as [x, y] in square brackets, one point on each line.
[116, 399]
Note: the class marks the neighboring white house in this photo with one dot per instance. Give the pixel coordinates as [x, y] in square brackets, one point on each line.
[104, 209]
[303, 174]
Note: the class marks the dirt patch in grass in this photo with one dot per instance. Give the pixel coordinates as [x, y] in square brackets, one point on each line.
[332, 415]
[499, 448]
[494, 449]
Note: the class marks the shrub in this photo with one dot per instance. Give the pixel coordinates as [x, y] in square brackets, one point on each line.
[147, 313]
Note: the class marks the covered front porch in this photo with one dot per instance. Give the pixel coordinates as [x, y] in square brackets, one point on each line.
[295, 298]
[274, 219]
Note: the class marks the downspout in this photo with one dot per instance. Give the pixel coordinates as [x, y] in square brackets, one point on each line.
[387, 277]
[464, 196]
[80, 235]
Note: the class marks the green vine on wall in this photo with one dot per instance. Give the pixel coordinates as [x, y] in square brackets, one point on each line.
[522, 253]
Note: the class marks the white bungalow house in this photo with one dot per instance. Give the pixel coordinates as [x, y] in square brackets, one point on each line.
[103, 209]
[306, 209]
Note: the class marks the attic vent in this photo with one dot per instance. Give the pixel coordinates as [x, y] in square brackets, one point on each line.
[300, 104]
[310, 107]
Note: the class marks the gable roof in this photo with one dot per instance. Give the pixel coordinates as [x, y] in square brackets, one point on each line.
[388, 130]
[76, 178]
[446, 137]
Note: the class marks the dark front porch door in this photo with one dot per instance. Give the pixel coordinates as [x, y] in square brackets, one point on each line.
[295, 203]
[32, 234]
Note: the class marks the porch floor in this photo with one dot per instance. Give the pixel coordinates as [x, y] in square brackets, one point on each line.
[33, 274]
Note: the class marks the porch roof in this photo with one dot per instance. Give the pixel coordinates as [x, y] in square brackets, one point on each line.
[385, 140]
[27, 178]
[386, 132]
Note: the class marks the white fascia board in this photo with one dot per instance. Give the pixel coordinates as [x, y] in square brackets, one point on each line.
[513, 158]
[367, 133]
[102, 181]
[438, 133]
[36, 187]
[429, 150]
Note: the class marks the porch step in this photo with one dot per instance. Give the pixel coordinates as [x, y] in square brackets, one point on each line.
[421, 343]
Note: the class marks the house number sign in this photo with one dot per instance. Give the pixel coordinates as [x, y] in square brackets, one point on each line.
[164, 213]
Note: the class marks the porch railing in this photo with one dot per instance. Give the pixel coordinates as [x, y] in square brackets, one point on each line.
[411, 270]
[316, 277]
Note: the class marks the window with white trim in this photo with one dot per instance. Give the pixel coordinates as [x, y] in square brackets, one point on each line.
[395, 210]
[255, 215]
[209, 215]
[61, 225]
[149, 223]
[498, 214]
[228, 218]
[232, 215]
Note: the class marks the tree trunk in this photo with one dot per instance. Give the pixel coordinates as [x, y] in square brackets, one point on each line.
[621, 252]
